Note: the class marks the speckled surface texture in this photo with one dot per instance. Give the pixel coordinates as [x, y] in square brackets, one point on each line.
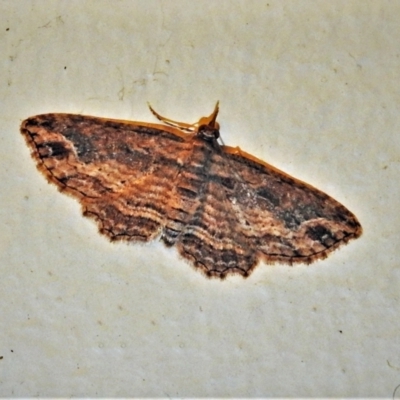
[310, 87]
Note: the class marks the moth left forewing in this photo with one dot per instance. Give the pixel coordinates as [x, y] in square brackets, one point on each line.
[66, 145]
[116, 169]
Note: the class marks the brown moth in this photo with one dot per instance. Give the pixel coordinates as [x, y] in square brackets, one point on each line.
[223, 209]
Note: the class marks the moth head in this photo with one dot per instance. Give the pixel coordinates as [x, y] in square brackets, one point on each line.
[208, 132]
[206, 128]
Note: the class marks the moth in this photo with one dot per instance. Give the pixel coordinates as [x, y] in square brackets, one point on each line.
[223, 209]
